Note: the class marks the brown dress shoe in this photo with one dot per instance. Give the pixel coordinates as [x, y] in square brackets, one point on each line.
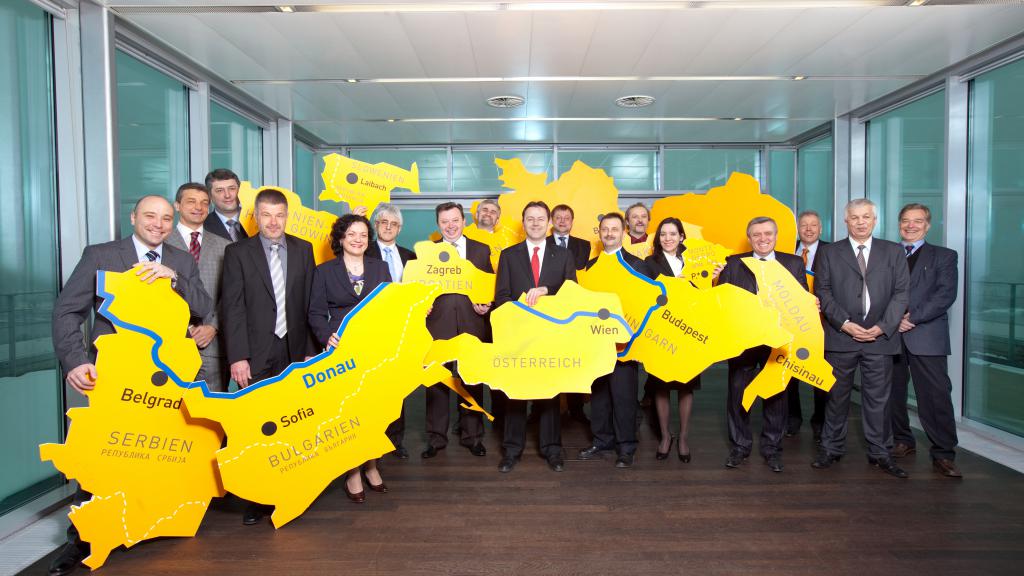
[901, 450]
[946, 468]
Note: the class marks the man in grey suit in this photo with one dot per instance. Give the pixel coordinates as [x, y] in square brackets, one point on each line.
[925, 331]
[863, 284]
[146, 252]
[192, 203]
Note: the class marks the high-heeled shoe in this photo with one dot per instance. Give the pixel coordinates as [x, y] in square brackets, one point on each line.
[684, 458]
[356, 497]
[379, 488]
[664, 455]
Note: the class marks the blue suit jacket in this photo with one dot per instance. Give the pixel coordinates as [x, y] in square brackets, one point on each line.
[933, 288]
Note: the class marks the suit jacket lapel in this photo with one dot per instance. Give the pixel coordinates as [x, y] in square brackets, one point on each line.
[260, 259]
[523, 254]
[128, 256]
[846, 255]
[549, 268]
[924, 259]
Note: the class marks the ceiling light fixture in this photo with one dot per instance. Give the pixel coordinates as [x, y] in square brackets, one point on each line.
[538, 79]
[564, 119]
[798, 78]
[635, 101]
[286, 9]
[510, 101]
[737, 119]
[916, 2]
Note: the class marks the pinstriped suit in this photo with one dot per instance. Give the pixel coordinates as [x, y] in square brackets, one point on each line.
[211, 266]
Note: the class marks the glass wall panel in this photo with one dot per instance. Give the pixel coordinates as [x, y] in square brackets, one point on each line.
[475, 170]
[705, 168]
[815, 182]
[31, 411]
[432, 164]
[152, 132]
[236, 143]
[782, 175]
[631, 169]
[306, 185]
[994, 370]
[906, 163]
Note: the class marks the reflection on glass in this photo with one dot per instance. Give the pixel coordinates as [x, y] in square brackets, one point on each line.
[994, 370]
[152, 134]
[815, 182]
[905, 163]
[706, 168]
[631, 170]
[31, 410]
[236, 143]
[782, 175]
[305, 180]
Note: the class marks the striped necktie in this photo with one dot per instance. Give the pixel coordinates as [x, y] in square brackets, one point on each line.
[193, 246]
[152, 256]
[277, 279]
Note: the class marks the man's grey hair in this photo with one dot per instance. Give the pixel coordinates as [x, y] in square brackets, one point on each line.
[858, 203]
[492, 202]
[389, 209]
[761, 220]
[809, 213]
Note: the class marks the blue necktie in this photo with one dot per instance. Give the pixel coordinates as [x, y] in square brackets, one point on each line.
[391, 264]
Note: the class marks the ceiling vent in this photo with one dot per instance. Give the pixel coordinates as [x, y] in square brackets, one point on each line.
[638, 101]
[506, 101]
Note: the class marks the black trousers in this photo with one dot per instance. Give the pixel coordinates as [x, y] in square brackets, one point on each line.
[438, 417]
[742, 370]
[934, 402]
[396, 430]
[550, 427]
[875, 385]
[796, 417]
[613, 405]
[276, 362]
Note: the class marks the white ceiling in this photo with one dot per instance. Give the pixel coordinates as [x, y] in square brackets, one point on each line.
[872, 49]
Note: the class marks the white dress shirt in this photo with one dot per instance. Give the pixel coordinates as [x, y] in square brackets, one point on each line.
[460, 245]
[186, 234]
[812, 250]
[396, 258]
[867, 261]
[540, 253]
[141, 249]
[675, 263]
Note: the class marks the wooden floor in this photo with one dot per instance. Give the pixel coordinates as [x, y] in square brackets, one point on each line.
[456, 514]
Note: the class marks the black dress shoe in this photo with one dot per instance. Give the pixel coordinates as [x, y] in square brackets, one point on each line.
[658, 455]
[430, 452]
[356, 497]
[816, 431]
[507, 464]
[774, 462]
[886, 465]
[735, 458]
[684, 458]
[824, 460]
[624, 461]
[478, 450]
[591, 453]
[401, 453]
[556, 463]
[69, 559]
[253, 514]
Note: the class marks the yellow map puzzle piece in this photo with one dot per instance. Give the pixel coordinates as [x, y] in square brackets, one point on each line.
[637, 292]
[313, 226]
[291, 435]
[439, 264]
[700, 259]
[804, 357]
[590, 192]
[151, 469]
[561, 345]
[723, 213]
[692, 329]
[362, 184]
[501, 238]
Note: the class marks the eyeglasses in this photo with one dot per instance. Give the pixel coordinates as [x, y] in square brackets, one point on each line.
[388, 224]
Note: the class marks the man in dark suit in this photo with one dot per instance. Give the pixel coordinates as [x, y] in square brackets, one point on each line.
[562, 217]
[925, 331]
[762, 233]
[192, 203]
[863, 284]
[265, 300]
[613, 398]
[808, 225]
[147, 253]
[454, 314]
[387, 222]
[536, 268]
[223, 221]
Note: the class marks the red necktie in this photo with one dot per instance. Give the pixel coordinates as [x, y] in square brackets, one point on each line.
[535, 265]
[193, 247]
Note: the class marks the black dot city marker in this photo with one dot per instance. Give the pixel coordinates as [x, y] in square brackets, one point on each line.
[662, 300]
[703, 273]
[444, 256]
[269, 428]
[352, 178]
[159, 378]
[803, 353]
[604, 314]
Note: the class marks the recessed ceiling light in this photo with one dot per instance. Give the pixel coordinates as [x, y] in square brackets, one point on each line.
[799, 78]
[506, 101]
[635, 101]
[916, 2]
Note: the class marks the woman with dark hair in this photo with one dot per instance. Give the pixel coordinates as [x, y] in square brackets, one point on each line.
[667, 259]
[338, 286]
